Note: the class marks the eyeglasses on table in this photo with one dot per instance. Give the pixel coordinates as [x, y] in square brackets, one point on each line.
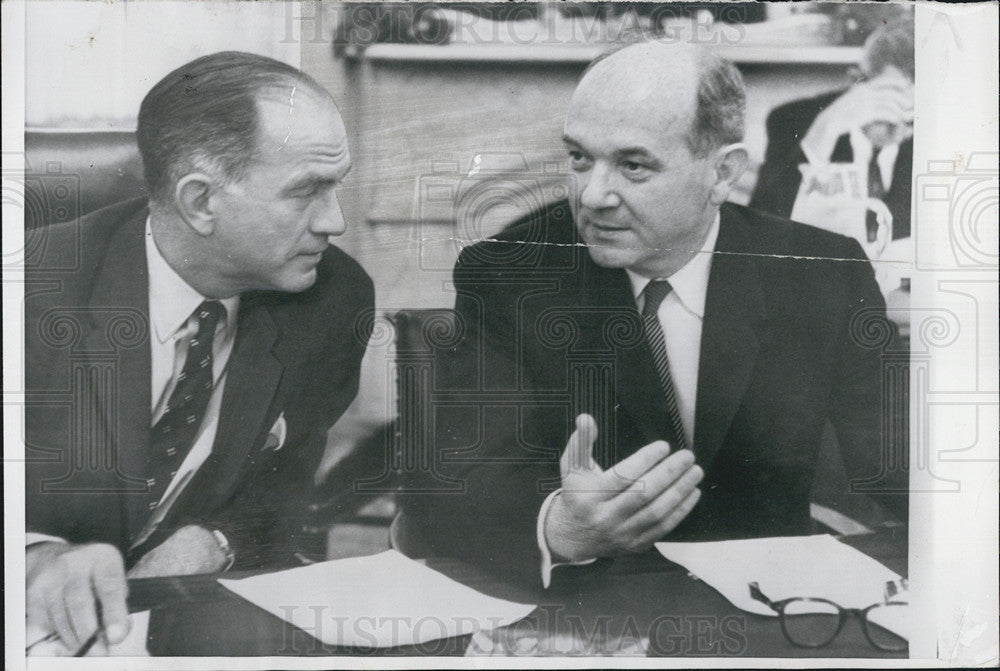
[811, 622]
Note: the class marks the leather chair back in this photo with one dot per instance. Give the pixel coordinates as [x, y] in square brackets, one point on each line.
[70, 174]
[421, 334]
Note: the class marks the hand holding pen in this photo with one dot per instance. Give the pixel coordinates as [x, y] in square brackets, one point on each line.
[78, 593]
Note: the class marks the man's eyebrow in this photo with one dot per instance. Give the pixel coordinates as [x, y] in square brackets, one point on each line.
[311, 178]
[640, 152]
[635, 151]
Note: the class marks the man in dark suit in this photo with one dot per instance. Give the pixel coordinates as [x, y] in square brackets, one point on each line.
[186, 356]
[646, 361]
[869, 123]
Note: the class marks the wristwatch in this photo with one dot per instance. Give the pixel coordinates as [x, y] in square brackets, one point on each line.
[226, 549]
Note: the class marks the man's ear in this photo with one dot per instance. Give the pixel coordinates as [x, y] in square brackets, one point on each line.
[730, 162]
[193, 198]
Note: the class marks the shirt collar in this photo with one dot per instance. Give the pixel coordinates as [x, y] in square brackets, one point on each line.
[690, 281]
[171, 299]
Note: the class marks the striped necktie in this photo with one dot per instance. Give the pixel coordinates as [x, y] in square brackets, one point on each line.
[173, 435]
[876, 189]
[654, 293]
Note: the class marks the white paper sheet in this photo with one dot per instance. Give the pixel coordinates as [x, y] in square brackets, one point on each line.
[379, 601]
[814, 566]
[134, 644]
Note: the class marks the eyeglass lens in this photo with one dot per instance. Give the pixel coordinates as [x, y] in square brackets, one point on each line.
[882, 620]
[810, 623]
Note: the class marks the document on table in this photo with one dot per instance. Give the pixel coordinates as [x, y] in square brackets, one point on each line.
[384, 600]
[134, 644]
[784, 567]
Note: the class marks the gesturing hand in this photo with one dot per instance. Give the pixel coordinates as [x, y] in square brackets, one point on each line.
[881, 107]
[623, 509]
[66, 584]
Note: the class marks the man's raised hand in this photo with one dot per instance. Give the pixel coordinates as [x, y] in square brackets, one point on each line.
[623, 509]
[881, 107]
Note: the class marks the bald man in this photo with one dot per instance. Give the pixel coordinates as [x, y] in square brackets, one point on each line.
[646, 361]
[209, 335]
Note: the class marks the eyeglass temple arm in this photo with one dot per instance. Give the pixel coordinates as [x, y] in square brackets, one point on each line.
[759, 596]
[894, 588]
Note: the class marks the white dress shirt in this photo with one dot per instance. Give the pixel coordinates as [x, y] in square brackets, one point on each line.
[861, 147]
[172, 301]
[681, 315]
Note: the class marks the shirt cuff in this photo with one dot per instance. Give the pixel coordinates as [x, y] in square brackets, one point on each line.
[547, 563]
[816, 143]
[813, 156]
[32, 538]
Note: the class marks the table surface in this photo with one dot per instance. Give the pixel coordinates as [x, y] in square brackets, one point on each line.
[642, 605]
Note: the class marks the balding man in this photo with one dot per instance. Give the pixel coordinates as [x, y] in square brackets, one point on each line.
[208, 338]
[646, 361]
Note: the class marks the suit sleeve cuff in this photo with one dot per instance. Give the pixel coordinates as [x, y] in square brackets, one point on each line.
[547, 563]
[32, 538]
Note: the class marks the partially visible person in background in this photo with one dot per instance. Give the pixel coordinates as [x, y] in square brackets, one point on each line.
[869, 125]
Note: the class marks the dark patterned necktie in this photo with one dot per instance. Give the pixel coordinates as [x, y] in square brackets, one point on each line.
[876, 189]
[654, 293]
[172, 436]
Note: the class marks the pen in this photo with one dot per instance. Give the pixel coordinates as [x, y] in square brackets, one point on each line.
[85, 648]
[51, 637]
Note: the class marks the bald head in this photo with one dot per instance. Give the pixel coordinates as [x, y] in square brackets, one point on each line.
[653, 140]
[633, 84]
[676, 86]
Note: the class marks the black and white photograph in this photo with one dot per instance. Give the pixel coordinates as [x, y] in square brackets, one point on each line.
[500, 335]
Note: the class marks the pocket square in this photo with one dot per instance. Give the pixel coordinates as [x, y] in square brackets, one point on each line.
[276, 436]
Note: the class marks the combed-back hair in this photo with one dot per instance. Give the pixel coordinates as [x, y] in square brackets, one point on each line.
[890, 44]
[203, 117]
[719, 118]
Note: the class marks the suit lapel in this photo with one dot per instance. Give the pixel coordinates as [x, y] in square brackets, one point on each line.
[734, 310]
[903, 168]
[117, 339]
[898, 198]
[637, 386]
[252, 377]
